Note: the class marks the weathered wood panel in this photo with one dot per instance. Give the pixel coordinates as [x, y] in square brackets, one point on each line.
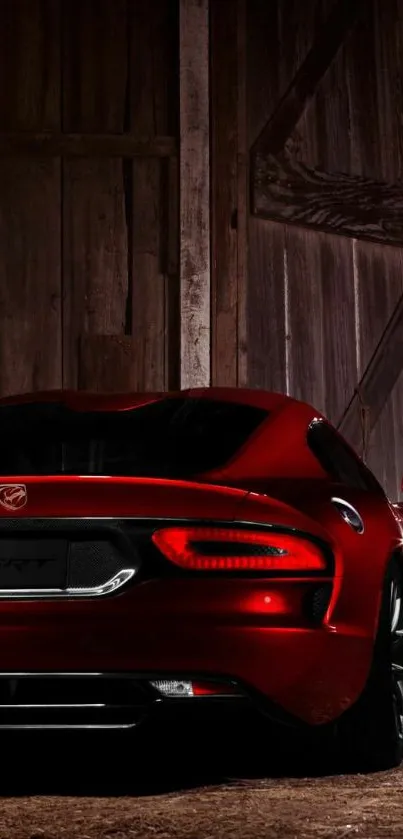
[224, 186]
[94, 255]
[380, 376]
[289, 191]
[346, 184]
[267, 300]
[307, 321]
[243, 197]
[56, 144]
[388, 32]
[30, 65]
[327, 41]
[279, 36]
[30, 237]
[381, 286]
[305, 317]
[152, 111]
[95, 269]
[338, 169]
[194, 193]
[30, 306]
[106, 364]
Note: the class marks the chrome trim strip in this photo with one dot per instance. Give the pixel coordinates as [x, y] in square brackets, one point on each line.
[342, 505]
[111, 586]
[64, 727]
[17, 706]
[51, 674]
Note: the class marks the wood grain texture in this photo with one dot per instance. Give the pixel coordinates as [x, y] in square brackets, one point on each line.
[336, 277]
[395, 485]
[30, 304]
[369, 421]
[305, 317]
[194, 193]
[106, 364]
[289, 191]
[154, 187]
[320, 359]
[95, 265]
[266, 335]
[224, 186]
[30, 65]
[30, 237]
[279, 37]
[243, 195]
[94, 255]
[328, 40]
[55, 144]
[95, 65]
[379, 377]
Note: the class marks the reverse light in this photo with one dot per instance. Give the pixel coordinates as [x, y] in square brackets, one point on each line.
[173, 689]
[234, 549]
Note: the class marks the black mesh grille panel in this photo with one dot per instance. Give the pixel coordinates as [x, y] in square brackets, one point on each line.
[92, 563]
[87, 553]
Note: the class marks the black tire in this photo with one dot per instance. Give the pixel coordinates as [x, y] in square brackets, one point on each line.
[369, 736]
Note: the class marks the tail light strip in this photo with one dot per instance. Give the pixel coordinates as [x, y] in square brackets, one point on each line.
[234, 549]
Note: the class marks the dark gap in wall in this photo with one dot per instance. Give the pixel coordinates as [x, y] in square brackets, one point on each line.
[127, 166]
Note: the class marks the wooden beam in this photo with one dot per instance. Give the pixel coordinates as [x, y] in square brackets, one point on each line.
[330, 37]
[286, 190]
[242, 197]
[152, 190]
[224, 188]
[376, 384]
[194, 193]
[229, 188]
[53, 144]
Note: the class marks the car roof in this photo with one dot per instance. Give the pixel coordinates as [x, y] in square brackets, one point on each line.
[86, 400]
[286, 424]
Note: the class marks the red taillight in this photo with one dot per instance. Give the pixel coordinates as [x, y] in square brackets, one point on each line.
[230, 549]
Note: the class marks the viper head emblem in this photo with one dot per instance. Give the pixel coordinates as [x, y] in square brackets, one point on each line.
[13, 496]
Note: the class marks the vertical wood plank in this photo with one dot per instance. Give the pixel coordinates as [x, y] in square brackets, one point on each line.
[95, 253]
[194, 193]
[153, 110]
[30, 65]
[106, 363]
[224, 185]
[380, 271]
[266, 313]
[337, 278]
[306, 342]
[242, 197]
[30, 279]
[388, 39]
[30, 305]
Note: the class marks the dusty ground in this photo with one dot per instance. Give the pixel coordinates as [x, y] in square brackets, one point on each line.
[54, 791]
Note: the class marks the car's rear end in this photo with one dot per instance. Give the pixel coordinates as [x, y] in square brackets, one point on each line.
[130, 587]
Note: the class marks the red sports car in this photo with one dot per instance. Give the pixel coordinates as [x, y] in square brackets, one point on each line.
[210, 549]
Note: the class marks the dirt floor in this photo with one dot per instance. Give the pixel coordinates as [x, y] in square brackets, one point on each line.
[77, 789]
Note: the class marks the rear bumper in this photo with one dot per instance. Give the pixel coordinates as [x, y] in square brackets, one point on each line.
[251, 631]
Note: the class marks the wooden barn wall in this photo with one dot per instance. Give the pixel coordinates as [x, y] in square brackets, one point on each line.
[319, 301]
[88, 212]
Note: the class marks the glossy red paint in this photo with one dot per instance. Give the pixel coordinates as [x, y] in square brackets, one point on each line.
[252, 629]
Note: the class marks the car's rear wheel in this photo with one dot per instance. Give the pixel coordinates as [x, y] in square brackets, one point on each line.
[369, 736]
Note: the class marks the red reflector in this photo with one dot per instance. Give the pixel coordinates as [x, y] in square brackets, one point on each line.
[227, 549]
[213, 689]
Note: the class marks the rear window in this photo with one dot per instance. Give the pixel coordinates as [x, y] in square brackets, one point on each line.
[171, 438]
